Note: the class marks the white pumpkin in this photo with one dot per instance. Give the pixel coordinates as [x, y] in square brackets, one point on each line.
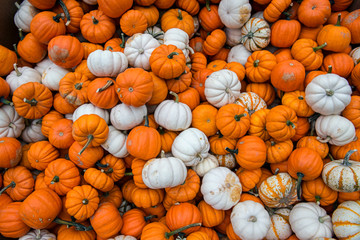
[138, 49]
[156, 32]
[250, 220]
[233, 36]
[123, 237]
[346, 220]
[355, 55]
[334, 129]
[191, 146]
[89, 108]
[280, 227]
[115, 144]
[259, 14]
[69, 116]
[328, 94]
[234, 14]
[196, 25]
[11, 124]
[104, 63]
[227, 160]
[221, 188]
[251, 102]
[178, 38]
[173, 115]
[164, 172]
[125, 117]
[22, 75]
[41, 66]
[38, 234]
[255, 34]
[342, 175]
[222, 87]
[308, 221]
[33, 132]
[52, 75]
[206, 165]
[239, 54]
[23, 16]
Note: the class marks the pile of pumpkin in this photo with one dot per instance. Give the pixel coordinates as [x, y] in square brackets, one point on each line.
[156, 119]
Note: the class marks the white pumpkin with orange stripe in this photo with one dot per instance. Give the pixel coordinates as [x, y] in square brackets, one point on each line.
[346, 220]
[255, 34]
[278, 191]
[342, 175]
[251, 102]
[280, 227]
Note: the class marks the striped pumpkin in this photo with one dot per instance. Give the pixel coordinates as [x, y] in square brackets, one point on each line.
[346, 220]
[280, 227]
[251, 102]
[278, 191]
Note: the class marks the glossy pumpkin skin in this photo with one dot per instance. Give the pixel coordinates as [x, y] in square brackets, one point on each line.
[11, 148]
[30, 49]
[60, 135]
[7, 60]
[209, 18]
[21, 181]
[188, 190]
[296, 101]
[73, 87]
[219, 143]
[258, 124]
[313, 143]
[134, 221]
[233, 121]
[47, 25]
[214, 42]
[41, 154]
[210, 216]
[288, 76]
[316, 191]
[273, 11]
[351, 111]
[351, 21]
[98, 179]
[284, 33]
[146, 197]
[176, 18]
[106, 220]
[42, 204]
[66, 232]
[259, 66]
[133, 21]
[278, 151]
[82, 201]
[248, 178]
[32, 100]
[198, 81]
[11, 224]
[48, 120]
[183, 214]
[314, 13]
[341, 63]
[281, 123]
[204, 119]
[308, 53]
[114, 9]
[264, 90]
[87, 158]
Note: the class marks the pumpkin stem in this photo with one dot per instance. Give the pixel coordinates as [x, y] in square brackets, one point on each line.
[18, 73]
[347, 157]
[289, 123]
[95, 21]
[157, 35]
[162, 153]
[85, 201]
[122, 45]
[286, 12]
[320, 47]
[100, 165]
[161, 130]
[207, 5]
[317, 199]
[238, 117]
[252, 219]
[272, 142]
[109, 48]
[338, 20]
[276, 171]
[17, 5]
[11, 185]
[330, 68]
[256, 63]
[16, 51]
[180, 17]
[21, 34]
[300, 97]
[331, 157]
[232, 150]
[32, 102]
[77, 226]
[169, 234]
[324, 218]
[55, 180]
[78, 86]
[38, 233]
[5, 101]
[66, 11]
[147, 218]
[57, 17]
[175, 95]
[329, 92]
[146, 118]
[128, 174]
[90, 138]
[106, 86]
[322, 140]
[171, 55]
[298, 186]
[12, 125]
[220, 135]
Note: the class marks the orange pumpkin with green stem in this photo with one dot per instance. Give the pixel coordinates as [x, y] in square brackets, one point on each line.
[102, 93]
[182, 214]
[259, 66]
[134, 221]
[60, 135]
[18, 183]
[281, 123]
[98, 179]
[209, 17]
[73, 87]
[274, 10]
[214, 42]
[288, 76]
[176, 18]
[278, 151]
[190, 97]
[313, 13]
[317, 191]
[258, 124]
[133, 21]
[308, 53]
[284, 32]
[47, 25]
[181, 83]
[30, 49]
[158, 230]
[248, 178]
[88, 157]
[218, 143]
[296, 101]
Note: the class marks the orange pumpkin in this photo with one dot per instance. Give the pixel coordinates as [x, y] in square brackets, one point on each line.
[352, 22]
[102, 93]
[296, 101]
[133, 21]
[209, 17]
[204, 119]
[313, 143]
[288, 76]
[47, 25]
[278, 151]
[219, 143]
[302, 128]
[186, 191]
[30, 49]
[160, 90]
[73, 87]
[190, 97]
[181, 83]
[210, 216]
[176, 18]
[11, 225]
[273, 11]
[258, 124]
[88, 157]
[62, 106]
[183, 214]
[317, 191]
[259, 66]
[198, 81]
[313, 13]
[308, 53]
[146, 197]
[341, 64]
[284, 33]
[91, 47]
[151, 14]
[248, 178]
[41, 154]
[115, 9]
[214, 42]
[11, 148]
[60, 134]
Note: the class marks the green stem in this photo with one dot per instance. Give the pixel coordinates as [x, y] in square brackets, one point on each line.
[17, 5]
[331, 157]
[256, 63]
[347, 157]
[18, 73]
[55, 180]
[300, 97]
[66, 11]
[330, 68]
[106, 86]
[207, 5]
[147, 218]
[11, 185]
[320, 47]
[232, 150]
[16, 51]
[85, 201]
[109, 48]
[89, 139]
[171, 55]
[238, 117]
[32, 102]
[57, 17]
[298, 186]
[324, 218]
[338, 20]
[317, 199]
[169, 234]
[78, 86]
[289, 123]
[122, 45]
[100, 165]
[128, 174]
[77, 226]
[146, 121]
[180, 17]
[175, 95]
[21, 34]
[5, 101]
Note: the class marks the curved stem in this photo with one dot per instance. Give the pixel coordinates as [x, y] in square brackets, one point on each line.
[77, 226]
[207, 5]
[89, 139]
[289, 123]
[21, 34]
[95, 21]
[109, 48]
[55, 180]
[78, 86]
[331, 157]
[324, 218]
[320, 47]
[317, 199]
[32, 102]
[322, 140]
[57, 17]
[238, 117]
[122, 45]
[232, 150]
[18, 73]
[146, 118]
[171, 55]
[11, 185]
[66, 11]
[106, 86]
[16, 51]
[147, 218]
[338, 20]
[100, 165]
[180, 17]
[347, 157]
[298, 186]
[256, 63]
[169, 234]
[5, 101]
[175, 95]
